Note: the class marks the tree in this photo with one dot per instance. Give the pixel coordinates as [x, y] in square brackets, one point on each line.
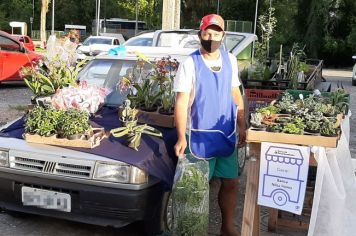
[44, 10]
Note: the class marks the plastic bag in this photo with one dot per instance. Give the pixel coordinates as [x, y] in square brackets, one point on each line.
[190, 195]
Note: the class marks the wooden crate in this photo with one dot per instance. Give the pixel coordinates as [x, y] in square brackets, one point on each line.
[254, 136]
[85, 142]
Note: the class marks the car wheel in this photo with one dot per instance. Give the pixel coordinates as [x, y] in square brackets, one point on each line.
[162, 222]
[354, 82]
[241, 159]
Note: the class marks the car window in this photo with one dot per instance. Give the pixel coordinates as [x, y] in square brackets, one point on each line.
[108, 73]
[90, 41]
[231, 41]
[116, 42]
[7, 44]
[139, 42]
[27, 40]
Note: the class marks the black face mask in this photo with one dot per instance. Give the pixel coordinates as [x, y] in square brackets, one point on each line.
[210, 45]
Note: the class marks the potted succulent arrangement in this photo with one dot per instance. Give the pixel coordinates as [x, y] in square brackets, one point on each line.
[42, 121]
[131, 129]
[328, 129]
[312, 126]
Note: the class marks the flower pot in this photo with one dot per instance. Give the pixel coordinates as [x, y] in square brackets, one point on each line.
[152, 109]
[74, 136]
[166, 112]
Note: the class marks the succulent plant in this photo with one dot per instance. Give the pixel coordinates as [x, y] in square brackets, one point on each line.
[328, 129]
[313, 125]
[256, 120]
[292, 128]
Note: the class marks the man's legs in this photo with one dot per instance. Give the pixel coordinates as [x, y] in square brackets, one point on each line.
[226, 168]
[227, 202]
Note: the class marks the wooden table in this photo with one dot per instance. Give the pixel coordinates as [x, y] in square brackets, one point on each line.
[251, 214]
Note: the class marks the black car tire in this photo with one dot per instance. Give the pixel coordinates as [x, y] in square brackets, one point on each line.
[354, 82]
[161, 223]
[241, 159]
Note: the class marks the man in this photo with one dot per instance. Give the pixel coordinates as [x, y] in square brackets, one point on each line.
[208, 104]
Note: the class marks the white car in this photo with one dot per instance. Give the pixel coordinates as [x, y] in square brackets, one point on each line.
[144, 39]
[110, 185]
[354, 73]
[95, 45]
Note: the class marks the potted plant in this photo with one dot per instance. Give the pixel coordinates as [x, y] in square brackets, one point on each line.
[328, 129]
[275, 128]
[128, 115]
[134, 133]
[292, 128]
[49, 75]
[256, 121]
[73, 124]
[42, 121]
[312, 126]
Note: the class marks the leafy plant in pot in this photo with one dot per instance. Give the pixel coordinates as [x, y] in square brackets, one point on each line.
[73, 124]
[328, 129]
[312, 126]
[42, 121]
[128, 115]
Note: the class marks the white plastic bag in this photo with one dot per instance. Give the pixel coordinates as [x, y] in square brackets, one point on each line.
[190, 195]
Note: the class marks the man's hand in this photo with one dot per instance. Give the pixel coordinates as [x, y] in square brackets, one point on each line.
[242, 138]
[180, 146]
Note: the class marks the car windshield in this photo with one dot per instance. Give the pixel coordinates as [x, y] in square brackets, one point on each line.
[189, 39]
[139, 42]
[90, 41]
[108, 73]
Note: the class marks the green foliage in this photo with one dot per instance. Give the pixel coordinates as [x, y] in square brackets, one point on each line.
[313, 125]
[42, 121]
[73, 121]
[48, 76]
[134, 133]
[190, 196]
[328, 129]
[291, 128]
[48, 121]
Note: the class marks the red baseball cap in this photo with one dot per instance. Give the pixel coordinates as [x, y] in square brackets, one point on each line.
[212, 19]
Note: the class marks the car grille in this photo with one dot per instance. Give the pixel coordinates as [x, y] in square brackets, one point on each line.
[65, 167]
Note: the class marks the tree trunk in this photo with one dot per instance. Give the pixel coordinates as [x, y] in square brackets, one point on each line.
[171, 14]
[44, 10]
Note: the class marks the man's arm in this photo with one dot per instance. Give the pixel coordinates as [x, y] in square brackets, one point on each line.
[180, 116]
[241, 121]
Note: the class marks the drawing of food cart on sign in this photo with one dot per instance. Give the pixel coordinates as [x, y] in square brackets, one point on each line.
[283, 175]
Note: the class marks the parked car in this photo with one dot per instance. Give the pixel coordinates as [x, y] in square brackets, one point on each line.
[143, 39]
[95, 45]
[354, 73]
[108, 185]
[26, 40]
[13, 56]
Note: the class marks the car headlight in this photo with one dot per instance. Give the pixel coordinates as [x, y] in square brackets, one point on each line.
[4, 158]
[120, 173]
[79, 51]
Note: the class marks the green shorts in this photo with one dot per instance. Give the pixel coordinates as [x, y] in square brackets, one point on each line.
[222, 167]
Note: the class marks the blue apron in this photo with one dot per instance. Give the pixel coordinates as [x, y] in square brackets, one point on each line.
[213, 111]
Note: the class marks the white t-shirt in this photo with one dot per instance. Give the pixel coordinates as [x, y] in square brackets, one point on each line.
[185, 77]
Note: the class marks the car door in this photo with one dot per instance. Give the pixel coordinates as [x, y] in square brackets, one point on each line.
[13, 57]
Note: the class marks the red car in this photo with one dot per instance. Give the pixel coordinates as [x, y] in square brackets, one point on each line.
[27, 41]
[13, 56]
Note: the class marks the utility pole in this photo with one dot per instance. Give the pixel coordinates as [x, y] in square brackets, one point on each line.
[171, 14]
[52, 17]
[136, 23]
[217, 12]
[98, 19]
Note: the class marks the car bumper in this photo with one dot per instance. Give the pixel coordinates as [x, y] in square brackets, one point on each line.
[89, 204]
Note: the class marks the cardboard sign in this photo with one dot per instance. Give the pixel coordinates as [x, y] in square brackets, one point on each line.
[283, 176]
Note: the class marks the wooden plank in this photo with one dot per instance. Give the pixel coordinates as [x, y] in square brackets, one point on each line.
[251, 214]
[272, 219]
[293, 224]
